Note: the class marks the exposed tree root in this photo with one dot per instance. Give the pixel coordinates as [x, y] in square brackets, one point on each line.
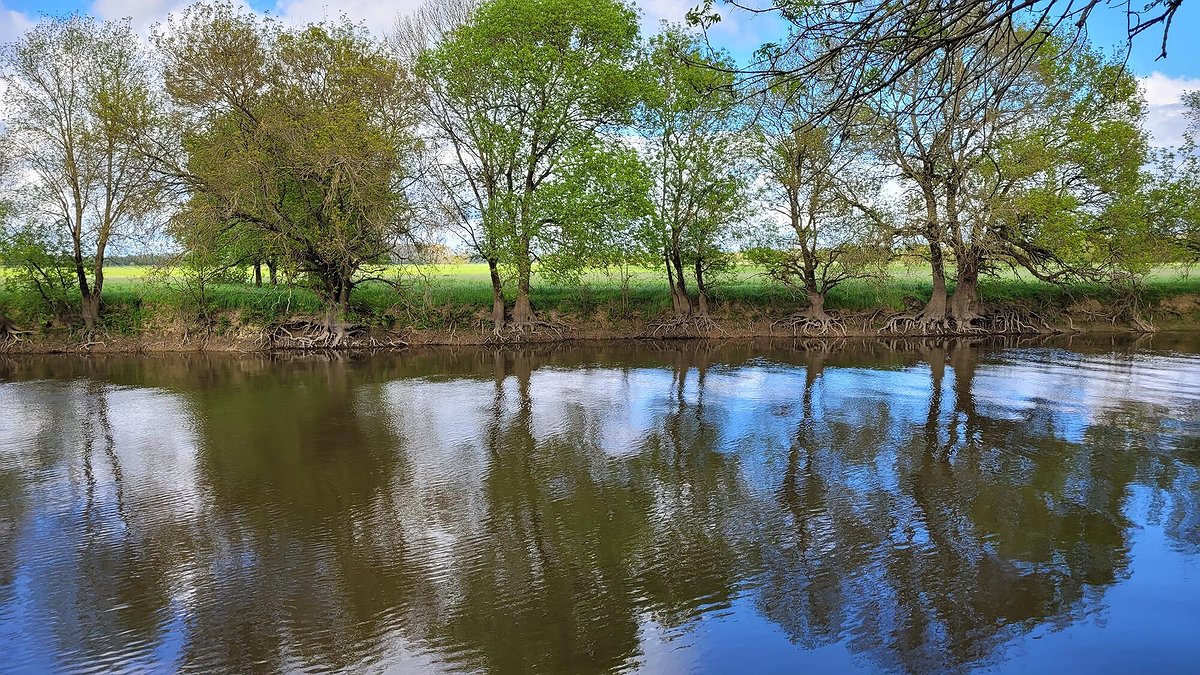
[316, 333]
[1126, 308]
[809, 325]
[9, 333]
[1142, 325]
[920, 323]
[683, 327]
[1009, 321]
[537, 330]
[1002, 321]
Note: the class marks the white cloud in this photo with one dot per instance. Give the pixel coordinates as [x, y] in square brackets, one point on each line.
[13, 24]
[738, 31]
[379, 17]
[1165, 118]
[673, 11]
[142, 14]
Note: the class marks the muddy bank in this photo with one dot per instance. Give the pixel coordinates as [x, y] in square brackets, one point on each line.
[1178, 313]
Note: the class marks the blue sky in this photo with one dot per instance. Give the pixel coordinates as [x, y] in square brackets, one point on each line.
[1106, 28]
[1163, 80]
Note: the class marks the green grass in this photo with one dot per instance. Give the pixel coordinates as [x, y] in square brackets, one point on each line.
[444, 295]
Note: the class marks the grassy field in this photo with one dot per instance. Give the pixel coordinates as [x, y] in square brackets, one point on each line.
[441, 295]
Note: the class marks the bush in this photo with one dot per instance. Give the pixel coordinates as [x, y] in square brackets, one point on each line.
[42, 274]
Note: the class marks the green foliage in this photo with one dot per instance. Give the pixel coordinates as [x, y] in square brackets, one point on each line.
[80, 114]
[303, 139]
[696, 156]
[44, 269]
[826, 225]
[552, 141]
[528, 95]
[1069, 174]
[595, 207]
[1172, 195]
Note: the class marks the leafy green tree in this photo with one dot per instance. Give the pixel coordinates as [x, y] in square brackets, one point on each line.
[1173, 193]
[304, 137]
[1030, 162]
[697, 157]
[1061, 196]
[80, 108]
[526, 97]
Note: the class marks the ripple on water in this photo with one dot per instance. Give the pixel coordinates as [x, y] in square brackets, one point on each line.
[696, 510]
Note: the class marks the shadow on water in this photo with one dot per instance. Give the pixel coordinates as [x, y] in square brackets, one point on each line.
[912, 506]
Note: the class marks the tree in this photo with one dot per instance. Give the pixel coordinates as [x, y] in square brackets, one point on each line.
[820, 181]
[697, 159]
[80, 108]
[303, 136]
[1011, 158]
[526, 97]
[1173, 192]
[1064, 190]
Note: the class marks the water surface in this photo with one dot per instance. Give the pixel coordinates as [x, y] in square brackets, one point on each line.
[688, 507]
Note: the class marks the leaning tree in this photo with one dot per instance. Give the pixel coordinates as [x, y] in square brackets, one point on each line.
[1011, 158]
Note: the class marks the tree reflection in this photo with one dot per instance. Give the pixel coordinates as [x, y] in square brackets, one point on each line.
[978, 537]
[556, 511]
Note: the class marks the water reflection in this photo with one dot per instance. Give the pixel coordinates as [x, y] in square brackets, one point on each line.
[911, 507]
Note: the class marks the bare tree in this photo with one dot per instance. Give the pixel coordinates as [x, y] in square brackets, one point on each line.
[876, 44]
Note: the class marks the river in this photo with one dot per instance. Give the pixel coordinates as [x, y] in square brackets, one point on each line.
[689, 507]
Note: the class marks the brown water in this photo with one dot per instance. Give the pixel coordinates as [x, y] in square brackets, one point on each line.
[656, 508]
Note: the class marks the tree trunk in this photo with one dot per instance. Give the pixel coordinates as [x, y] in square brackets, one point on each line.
[816, 305]
[337, 308]
[522, 310]
[258, 273]
[271, 271]
[91, 307]
[680, 300]
[497, 294]
[936, 307]
[93, 298]
[964, 303]
[701, 291]
[91, 311]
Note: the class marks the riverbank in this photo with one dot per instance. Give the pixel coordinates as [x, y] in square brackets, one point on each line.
[231, 331]
[147, 310]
